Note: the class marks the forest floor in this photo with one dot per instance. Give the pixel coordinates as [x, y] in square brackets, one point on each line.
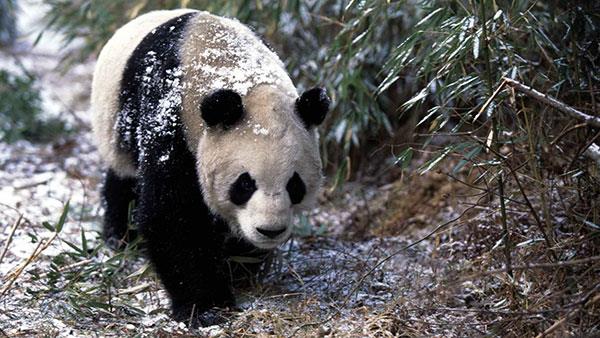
[337, 277]
[390, 260]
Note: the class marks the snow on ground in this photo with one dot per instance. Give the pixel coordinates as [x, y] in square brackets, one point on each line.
[321, 281]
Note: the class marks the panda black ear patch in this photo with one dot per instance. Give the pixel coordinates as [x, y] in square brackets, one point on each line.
[312, 106]
[222, 107]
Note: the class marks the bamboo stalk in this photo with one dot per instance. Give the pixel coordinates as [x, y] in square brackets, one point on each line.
[495, 142]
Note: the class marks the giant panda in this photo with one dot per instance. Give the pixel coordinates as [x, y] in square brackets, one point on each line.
[200, 125]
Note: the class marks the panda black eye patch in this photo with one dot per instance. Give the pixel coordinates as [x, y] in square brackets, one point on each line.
[242, 189]
[223, 107]
[296, 188]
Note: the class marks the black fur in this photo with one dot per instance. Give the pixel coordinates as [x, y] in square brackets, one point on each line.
[312, 106]
[148, 77]
[296, 188]
[117, 193]
[184, 242]
[242, 189]
[271, 233]
[223, 107]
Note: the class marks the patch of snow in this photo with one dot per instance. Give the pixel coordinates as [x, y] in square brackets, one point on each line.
[257, 129]
[234, 58]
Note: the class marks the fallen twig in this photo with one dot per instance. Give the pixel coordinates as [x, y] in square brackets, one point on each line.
[593, 152]
[570, 315]
[13, 275]
[284, 295]
[375, 267]
[529, 91]
[134, 289]
[32, 184]
[69, 267]
[534, 266]
[10, 237]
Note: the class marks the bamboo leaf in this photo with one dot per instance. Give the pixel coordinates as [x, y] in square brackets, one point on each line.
[63, 218]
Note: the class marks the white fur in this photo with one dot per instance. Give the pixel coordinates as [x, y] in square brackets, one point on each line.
[106, 84]
[270, 143]
[266, 211]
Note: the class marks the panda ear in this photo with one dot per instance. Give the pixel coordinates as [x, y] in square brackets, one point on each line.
[312, 106]
[222, 107]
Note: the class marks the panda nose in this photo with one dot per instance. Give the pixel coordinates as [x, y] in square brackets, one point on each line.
[271, 233]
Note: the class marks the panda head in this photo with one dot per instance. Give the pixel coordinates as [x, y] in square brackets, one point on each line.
[259, 161]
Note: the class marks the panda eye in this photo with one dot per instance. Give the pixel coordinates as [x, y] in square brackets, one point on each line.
[296, 188]
[242, 189]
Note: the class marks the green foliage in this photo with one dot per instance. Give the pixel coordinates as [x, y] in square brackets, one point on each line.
[303, 228]
[83, 277]
[20, 109]
[459, 51]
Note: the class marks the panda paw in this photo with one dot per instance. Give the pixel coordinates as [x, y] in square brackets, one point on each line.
[120, 243]
[192, 318]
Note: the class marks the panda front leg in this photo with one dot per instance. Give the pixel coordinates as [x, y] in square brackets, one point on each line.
[181, 241]
[117, 194]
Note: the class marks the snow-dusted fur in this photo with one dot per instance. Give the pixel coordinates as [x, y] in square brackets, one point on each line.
[106, 84]
[182, 164]
[221, 53]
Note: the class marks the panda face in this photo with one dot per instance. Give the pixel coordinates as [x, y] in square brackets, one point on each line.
[257, 187]
[260, 171]
[263, 210]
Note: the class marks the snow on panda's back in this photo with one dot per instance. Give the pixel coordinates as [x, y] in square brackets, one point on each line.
[106, 83]
[150, 85]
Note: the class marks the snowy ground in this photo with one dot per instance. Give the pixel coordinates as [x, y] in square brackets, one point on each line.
[318, 285]
[313, 279]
